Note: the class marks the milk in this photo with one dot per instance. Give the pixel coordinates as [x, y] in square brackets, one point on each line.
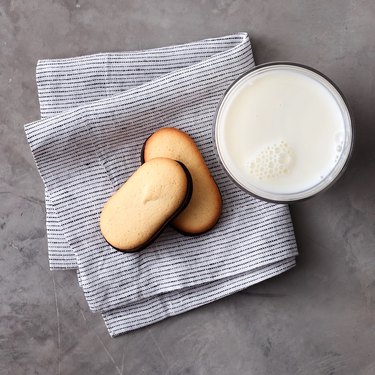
[281, 131]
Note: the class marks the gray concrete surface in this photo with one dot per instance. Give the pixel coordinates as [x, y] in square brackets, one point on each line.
[316, 319]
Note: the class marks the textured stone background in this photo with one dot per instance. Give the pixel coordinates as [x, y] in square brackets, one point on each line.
[316, 319]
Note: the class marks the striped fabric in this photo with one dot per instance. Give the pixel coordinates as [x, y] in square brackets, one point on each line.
[96, 113]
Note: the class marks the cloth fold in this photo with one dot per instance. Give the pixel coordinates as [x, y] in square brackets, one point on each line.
[96, 112]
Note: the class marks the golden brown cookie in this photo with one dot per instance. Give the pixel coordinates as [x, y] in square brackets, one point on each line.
[139, 211]
[204, 209]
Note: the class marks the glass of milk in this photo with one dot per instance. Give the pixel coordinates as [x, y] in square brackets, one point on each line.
[283, 132]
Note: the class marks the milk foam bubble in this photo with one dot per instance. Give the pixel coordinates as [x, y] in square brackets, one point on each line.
[272, 161]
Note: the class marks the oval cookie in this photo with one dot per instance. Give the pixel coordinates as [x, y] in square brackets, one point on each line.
[139, 211]
[204, 209]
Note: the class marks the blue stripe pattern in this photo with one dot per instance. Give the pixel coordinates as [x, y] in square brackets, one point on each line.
[96, 112]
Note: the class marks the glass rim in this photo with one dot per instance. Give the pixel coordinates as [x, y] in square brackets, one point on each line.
[314, 190]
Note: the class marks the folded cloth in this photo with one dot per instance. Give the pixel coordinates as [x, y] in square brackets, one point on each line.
[97, 111]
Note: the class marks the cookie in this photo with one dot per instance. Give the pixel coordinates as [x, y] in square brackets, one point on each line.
[204, 209]
[145, 204]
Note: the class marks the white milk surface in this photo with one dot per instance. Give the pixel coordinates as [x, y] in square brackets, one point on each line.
[280, 131]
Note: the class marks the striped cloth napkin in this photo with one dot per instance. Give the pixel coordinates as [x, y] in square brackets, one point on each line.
[96, 113]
